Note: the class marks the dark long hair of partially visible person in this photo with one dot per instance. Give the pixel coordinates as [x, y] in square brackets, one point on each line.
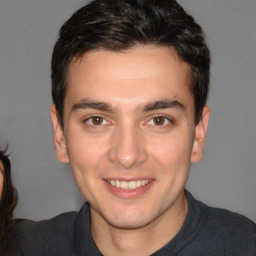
[8, 201]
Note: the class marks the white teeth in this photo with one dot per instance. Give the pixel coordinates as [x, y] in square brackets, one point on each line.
[117, 183]
[124, 184]
[128, 185]
[132, 184]
[138, 183]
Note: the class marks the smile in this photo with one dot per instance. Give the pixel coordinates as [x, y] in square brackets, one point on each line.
[128, 185]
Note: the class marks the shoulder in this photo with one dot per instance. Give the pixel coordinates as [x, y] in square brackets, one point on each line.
[233, 231]
[43, 237]
[230, 222]
[60, 223]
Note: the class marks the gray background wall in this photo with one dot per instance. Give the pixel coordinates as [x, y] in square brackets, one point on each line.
[225, 177]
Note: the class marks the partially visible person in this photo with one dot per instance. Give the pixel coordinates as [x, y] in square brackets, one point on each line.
[1, 179]
[9, 198]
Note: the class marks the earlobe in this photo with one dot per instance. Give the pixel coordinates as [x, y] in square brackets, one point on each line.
[200, 135]
[59, 138]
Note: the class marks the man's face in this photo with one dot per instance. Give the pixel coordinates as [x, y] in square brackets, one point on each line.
[129, 133]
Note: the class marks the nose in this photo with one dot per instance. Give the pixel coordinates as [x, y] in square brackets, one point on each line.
[127, 149]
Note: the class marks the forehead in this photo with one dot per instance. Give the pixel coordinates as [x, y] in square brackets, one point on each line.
[131, 76]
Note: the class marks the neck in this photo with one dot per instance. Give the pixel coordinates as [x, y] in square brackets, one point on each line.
[146, 240]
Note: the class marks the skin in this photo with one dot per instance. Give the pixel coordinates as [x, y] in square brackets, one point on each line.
[130, 116]
[1, 179]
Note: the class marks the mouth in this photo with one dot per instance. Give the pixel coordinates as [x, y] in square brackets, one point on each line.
[128, 189]
[128, 185]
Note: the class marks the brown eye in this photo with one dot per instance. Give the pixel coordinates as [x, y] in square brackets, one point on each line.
[159, 120]
[97, 120]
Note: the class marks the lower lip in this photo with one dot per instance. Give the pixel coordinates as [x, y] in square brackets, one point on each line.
[128, 194]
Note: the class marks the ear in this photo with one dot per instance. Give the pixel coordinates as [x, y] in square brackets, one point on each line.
[200, 135]
[59, 138]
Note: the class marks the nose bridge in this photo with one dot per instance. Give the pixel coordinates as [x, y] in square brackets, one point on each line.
[127, 148]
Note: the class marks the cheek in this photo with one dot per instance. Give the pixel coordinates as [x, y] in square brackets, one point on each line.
[85, 152]
[86, 157]
[171, 150]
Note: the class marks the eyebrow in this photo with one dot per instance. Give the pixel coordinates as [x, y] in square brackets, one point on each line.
[86, 103]
[102, 106]
[163, 104]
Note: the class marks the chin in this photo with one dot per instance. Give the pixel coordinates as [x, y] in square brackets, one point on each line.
[128, 223]
[128, 220]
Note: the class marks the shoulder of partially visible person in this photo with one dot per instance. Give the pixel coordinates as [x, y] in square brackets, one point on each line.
[38, 237]
[231, 232]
